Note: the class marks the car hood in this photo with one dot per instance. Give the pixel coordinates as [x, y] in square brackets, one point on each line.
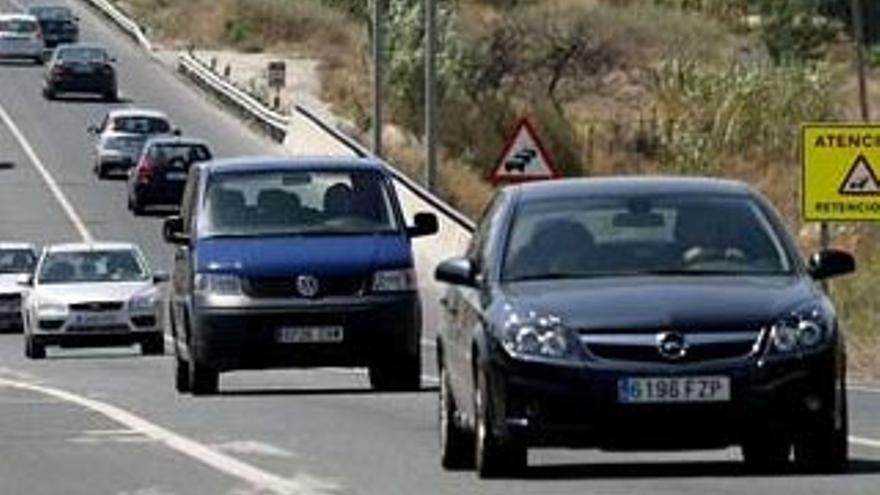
[707, 303]
[291, 255]
[90, 292]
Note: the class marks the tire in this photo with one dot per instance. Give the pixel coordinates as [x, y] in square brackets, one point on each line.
[456, 442]
[766, 455]
[493, 456]
[110, 96]
[136, 206]
[400, 373]
[49, 94]
[154, 346]
[823, 448]
[33, 349]
[39, 60]
[203, 380]
[100, 171]
[181, 375]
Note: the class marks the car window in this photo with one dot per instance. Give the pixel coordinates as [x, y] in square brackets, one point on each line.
[83, 55]
[141, 125]
[641, 235]
[20, 26]
[478, 248]
[17, 261]
[298, 202]
[92, 266]
[52, 13]
[186, 154]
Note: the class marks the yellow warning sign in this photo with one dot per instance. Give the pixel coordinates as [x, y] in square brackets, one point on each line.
[840, 167]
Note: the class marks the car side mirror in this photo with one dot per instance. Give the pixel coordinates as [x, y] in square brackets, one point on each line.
[92, 129]
[457, 271]
[829, 263]
[161, 277]
[172, 231]
[424, 224]
[25, 280]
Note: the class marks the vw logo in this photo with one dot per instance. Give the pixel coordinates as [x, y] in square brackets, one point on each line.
[671, 345]
[307, 285]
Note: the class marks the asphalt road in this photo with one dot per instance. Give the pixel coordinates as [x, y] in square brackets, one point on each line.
[109, 421]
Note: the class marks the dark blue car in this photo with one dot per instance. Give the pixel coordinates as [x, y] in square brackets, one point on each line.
[294, 262]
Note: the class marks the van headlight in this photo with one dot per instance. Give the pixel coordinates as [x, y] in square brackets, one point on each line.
[219, 284]
[142, 303]
[394, 280]
[800, 332]
[537, 338]
[51, 309]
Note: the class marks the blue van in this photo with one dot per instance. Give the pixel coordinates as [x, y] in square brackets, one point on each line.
[294, 262]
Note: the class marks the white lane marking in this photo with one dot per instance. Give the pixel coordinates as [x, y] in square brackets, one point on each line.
[865, 442]
[249, 473]
[253, 447]
[862, 388]
[56, 191]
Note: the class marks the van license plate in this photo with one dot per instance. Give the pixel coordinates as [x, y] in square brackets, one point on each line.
[673, 389]
[310, 335]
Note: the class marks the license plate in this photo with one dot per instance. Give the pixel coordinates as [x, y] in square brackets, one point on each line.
[309, 335]
[176, 176]
[96, 319]
[673, 389]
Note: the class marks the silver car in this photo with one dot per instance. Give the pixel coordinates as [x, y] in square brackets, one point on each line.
[17, 262]
[121, 137]
[92, 295]
[20, 37]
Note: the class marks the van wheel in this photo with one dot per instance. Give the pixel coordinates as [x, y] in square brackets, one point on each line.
[397, 373]
[33, 349]
[181, 375]
[153, 346]
[135, 206]
[456, 442]
[494, 456]
[203, 380]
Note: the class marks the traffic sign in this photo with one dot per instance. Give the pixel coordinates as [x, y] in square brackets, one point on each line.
[524, 158]
[277, 74]
[840, 165]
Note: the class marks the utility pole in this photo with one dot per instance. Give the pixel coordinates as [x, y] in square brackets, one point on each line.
[859, 40]
[378, 74]
[430, 94]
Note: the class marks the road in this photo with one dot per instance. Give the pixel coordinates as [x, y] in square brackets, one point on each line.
[109, 421]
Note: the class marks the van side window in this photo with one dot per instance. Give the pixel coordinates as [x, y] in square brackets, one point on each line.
[188, 203]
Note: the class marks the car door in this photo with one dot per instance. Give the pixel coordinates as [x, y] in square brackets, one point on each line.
[182, 265]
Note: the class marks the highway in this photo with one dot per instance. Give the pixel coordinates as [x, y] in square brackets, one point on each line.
[108, 421]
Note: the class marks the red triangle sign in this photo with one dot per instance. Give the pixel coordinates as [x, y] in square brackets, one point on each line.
[524, 158]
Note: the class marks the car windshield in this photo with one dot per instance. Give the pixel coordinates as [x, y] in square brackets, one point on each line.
[182, 153]
[298, 203]
[576, 238]
[51, 13]
[17, 261]
[20, 26]
[116, 265]
[141, 125]
[83, 55]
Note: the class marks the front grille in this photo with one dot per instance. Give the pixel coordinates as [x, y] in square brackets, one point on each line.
[286, 287]
[144, 321]
[97, 328]
[51, 324]
[10, 298]
[643, 347]
[97, 306]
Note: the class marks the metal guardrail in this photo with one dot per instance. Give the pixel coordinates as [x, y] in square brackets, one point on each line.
[130, 27]
[272, 123]
[414, 187]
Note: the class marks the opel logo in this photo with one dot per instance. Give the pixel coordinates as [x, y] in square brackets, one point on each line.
[307, 285]
[671, 345]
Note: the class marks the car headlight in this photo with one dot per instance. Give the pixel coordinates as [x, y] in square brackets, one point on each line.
[539, 338]
[144, 302]
[50, 309]
[218, 284]
[394, 280]
[799, 332]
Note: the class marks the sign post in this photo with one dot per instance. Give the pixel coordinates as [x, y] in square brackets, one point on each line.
[524, 158]
[277, 79]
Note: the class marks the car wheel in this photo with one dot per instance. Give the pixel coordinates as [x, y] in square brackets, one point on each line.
[33, 349]
[153, 346]
[397, 373]
[135, 206]
[100, 171]
[181, 375]
[824, 446]
[110, 96]
[766, 455]
[203, 380]
[456, 442]
[493, 456]
[39, 60]
[49, 93]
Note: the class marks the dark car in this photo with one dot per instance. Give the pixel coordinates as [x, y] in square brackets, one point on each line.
[647, 313]
[81, 68]
[294, 262]
[58, 24]
[161, 173]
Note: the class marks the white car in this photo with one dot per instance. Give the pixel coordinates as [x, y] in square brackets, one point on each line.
[91, 295]
[20, 37]
[17, 260]
[122, 135]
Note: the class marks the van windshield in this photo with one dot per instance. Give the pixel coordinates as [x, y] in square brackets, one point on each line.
[298, 203]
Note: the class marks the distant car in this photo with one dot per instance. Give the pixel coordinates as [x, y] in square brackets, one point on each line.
[57, 23]
[80, 68]
[17, 260]
[294, 262]
[161, 173]
[122, 135]
[640, 313]
[21, 38]
[91, 295]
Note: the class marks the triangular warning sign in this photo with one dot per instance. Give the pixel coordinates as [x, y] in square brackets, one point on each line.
[860, 179]
[524, 158]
